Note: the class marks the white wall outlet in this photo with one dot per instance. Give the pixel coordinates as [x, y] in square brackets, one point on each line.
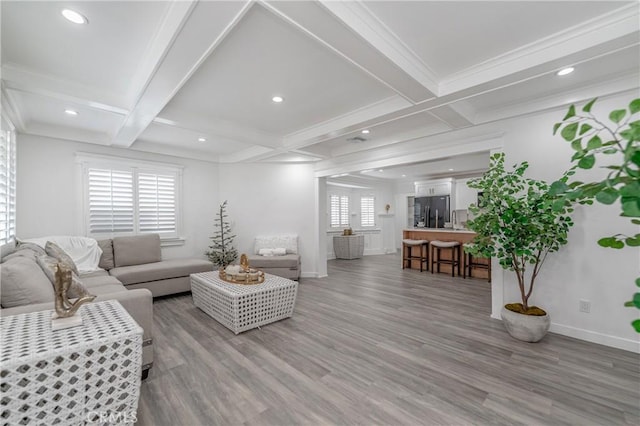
[585, 306]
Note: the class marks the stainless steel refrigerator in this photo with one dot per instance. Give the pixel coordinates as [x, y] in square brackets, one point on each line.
[432, 212]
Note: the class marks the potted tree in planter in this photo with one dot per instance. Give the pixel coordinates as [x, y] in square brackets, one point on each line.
[221, 252]
[519, 221]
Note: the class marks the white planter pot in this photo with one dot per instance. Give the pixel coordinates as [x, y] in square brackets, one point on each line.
[528, 328]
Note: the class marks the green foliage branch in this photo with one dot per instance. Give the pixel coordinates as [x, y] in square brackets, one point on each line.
[592, 138]
[221, 252]
[516, 221]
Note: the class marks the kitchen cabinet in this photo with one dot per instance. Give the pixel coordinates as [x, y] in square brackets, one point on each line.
[431, 188]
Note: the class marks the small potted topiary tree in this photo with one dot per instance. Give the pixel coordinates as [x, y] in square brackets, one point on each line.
[519, 221]
[221, 252]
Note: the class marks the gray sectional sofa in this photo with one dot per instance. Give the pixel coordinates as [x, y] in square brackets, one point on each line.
[133, 272]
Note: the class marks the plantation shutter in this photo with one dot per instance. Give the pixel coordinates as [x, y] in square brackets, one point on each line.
[111, 208]
[7, 186]
[157, 203]
[339, 211]
[367, 214]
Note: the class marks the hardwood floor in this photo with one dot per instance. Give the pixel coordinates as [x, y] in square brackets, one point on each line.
[375, 344]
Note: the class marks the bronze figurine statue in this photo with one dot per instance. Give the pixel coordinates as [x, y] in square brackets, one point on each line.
[63, 283]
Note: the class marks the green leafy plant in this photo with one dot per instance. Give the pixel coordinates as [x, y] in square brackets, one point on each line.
[592, 138]
[222, 252]
[517, 224]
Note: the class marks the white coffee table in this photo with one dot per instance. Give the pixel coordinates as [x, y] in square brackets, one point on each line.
[81, 375]
[243, 307]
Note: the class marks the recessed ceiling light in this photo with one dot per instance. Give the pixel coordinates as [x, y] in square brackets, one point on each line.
[365, 132]
[565, 71]
[381, 170]
[450, 170]
[277, 99]
[71, 112]
[404, 175]
[73, 16]
[202, 139]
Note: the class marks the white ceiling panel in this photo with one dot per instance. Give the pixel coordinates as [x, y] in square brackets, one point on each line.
[181, 138]
[104, 53]
[37, 110]
[450, 36]
[593, 72]
[265, 56]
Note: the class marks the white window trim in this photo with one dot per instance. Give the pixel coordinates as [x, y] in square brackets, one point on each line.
[341, 225]
[373, 212]
[86, 161]
[11, 167]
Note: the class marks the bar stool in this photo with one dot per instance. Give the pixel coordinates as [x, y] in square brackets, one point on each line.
[470, 263]
[408, 256]
[454, 247]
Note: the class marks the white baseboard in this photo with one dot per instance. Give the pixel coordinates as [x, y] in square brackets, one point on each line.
[592, 336]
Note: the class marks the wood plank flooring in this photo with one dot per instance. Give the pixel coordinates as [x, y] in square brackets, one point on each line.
[375, 344]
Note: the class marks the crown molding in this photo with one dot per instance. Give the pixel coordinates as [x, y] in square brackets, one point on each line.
[250, 154]
[589, 34]
[10, 108]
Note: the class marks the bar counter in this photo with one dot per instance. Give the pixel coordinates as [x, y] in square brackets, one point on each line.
[460, 235]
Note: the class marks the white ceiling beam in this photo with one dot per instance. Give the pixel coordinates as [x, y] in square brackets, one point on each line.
[254, 153]
[319, 23]
[459, 114]
[24, 80]
[10, 108]
[347, 123]
[363, 22]
[195, 30]
[612, 31]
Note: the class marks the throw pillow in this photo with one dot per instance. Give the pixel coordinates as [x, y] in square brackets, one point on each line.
[49, 265]
[22, 282]
[106, 260]
[54, 250]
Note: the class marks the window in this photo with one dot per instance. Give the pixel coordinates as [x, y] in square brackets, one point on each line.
[367, 214]
[129, 198]
[339, 205]
[7, 183]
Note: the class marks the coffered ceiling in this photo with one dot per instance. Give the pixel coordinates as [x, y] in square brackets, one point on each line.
[158, 76]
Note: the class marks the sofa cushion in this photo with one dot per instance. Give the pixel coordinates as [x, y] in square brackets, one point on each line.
[97, 273]
[107, 289]
[49, 266]
[106, 259]
[23, 282]
[136, 250]
[97, 281]
[56, 252]
[173, 268]
[28, 250]
[287, 261]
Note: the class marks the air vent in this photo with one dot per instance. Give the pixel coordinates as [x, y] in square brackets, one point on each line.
[356, 139]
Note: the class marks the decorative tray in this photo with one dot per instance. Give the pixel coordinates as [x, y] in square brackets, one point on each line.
[253, 276]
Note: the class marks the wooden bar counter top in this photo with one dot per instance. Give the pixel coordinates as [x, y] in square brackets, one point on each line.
[460, 235]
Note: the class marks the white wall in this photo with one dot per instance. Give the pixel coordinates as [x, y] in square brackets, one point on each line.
[465, 196]
[48, 198]
[272, 199]
[581, 269]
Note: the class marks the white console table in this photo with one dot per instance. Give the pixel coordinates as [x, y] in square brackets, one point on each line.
[348, 246]
[80, 375]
